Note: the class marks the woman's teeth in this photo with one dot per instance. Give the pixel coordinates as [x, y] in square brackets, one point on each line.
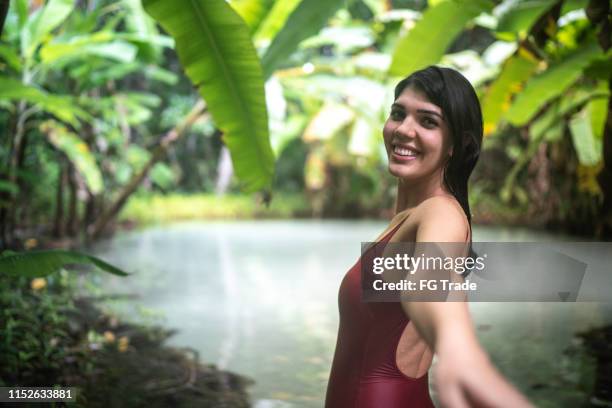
[402, 151]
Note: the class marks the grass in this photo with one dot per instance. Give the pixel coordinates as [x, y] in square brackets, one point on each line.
[155, 208]
[145, 209]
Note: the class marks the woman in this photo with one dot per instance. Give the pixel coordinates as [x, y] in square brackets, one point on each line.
[384, 349]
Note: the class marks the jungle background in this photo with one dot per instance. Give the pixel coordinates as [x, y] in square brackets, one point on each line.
[132, 128]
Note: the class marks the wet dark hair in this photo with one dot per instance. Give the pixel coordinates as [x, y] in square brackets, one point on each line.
[455, 96]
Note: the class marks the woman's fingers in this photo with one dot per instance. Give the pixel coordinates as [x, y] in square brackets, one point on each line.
[482, 388]
[452, 397]
[494, 392]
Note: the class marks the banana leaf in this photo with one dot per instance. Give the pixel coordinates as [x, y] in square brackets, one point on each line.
[42, 263]
[214, 46]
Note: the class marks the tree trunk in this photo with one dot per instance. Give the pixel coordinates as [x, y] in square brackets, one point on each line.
[58, 224]
[605, 178]
[15, 164]
[4, 6]
[158, 153]
[225, 169]
[72, 221]
[6, 197]
[89, 215]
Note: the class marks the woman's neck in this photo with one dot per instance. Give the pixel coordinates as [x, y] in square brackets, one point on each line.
[410, 193]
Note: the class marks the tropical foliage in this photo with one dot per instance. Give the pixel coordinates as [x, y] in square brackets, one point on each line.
[289, 85]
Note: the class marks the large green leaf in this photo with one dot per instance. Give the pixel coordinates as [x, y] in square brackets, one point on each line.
[140, 39]
[554, 117]
[306, 20]
[580, 95]
[588, 147]
[428, 40]
[140, 23]
[571, 5]
[598, 111]
[77, 151]
[42, 23]
[160, 74]
[22, 11]
[549, 84]
[61, 106]
[515, 72]
[107, 72]
[42, 263]
[329, 120]
[549, 126]
[8, 54]
[253, 12]
[274, 21]
[102, 44]
[519, 16]
[599, 68]
[214, 47]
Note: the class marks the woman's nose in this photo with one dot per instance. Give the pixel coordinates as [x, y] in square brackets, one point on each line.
[406, 128]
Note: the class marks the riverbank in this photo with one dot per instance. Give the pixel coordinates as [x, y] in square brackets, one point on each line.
[50, 335]
[158, 208]
[148, 209]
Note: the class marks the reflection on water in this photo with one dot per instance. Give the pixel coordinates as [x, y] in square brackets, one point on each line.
[260, 298]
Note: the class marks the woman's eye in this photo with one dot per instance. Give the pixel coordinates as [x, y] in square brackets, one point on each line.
[430, 123]
[395, 115]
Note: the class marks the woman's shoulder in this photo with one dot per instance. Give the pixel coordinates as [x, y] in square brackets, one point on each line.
[440, 218]
[433, 204]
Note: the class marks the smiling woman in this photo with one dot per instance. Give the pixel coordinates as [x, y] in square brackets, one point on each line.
[385, 349]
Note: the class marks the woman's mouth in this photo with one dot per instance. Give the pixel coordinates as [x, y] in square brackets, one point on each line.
[404, 153]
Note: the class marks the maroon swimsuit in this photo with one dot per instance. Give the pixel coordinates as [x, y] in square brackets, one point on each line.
[364, 372]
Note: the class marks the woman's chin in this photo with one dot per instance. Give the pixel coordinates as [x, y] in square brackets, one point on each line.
[401, 171]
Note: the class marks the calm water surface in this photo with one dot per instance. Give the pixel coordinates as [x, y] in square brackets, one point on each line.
[260, 298]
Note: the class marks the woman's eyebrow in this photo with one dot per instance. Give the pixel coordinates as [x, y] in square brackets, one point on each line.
[430, 112]
[427, 111]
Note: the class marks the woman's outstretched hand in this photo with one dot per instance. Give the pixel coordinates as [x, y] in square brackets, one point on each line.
[465, 378]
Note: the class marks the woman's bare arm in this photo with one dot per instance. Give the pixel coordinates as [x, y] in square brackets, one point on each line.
[464, 375]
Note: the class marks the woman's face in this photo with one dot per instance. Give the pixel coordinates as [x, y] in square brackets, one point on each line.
[416, 137]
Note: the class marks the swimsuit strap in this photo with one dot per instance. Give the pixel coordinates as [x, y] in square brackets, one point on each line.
[394, 229]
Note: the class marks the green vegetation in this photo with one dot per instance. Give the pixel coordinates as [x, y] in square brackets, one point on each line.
[98, 104]
[147, 209]
[50, 338]
[215, 49]
[44, 263]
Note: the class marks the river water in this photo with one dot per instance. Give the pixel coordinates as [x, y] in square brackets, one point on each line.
[260, 298]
